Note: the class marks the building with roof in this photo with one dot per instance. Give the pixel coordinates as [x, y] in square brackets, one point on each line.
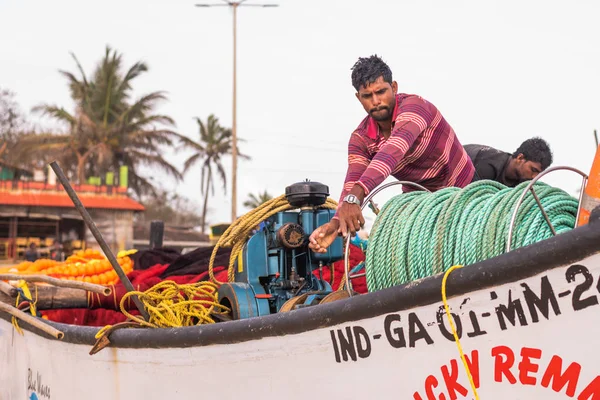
[40, 211]
[8, 172]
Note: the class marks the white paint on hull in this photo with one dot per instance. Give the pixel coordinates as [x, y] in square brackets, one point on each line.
[304, 365]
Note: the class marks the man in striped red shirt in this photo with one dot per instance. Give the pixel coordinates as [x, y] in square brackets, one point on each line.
[403, 135]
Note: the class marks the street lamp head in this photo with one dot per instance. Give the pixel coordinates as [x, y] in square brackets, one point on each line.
[258, 5]
[235, 4]
[224, 4]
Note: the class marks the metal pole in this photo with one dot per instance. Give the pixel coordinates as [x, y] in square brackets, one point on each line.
[234, 121]
[546, 217]
[94, 229]
[157, 229]
[581, 192]
[234, 149]
[511, 226]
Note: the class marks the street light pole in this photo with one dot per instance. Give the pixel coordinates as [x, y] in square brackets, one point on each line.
[234, 149]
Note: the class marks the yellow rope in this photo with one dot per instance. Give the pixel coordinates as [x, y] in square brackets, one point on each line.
[172, 305]
[460, 350]
[101, 331]
[14, 320]
[23, 285]
[238, 232]
[125, 253]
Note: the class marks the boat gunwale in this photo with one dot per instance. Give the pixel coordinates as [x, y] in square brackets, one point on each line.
[515, 265]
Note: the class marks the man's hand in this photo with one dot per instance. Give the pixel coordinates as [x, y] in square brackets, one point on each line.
[323, 236]
[351, 219]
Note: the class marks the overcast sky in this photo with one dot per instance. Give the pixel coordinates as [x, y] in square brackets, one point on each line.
[499, 71]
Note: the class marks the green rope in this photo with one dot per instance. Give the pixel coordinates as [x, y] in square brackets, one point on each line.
[419, 234]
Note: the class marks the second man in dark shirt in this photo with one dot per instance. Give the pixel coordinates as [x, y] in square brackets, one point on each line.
[532, 157]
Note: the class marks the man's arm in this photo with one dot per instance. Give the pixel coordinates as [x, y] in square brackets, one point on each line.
[358, 162]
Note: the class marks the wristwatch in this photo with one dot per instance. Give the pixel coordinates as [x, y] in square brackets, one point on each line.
[352, 199]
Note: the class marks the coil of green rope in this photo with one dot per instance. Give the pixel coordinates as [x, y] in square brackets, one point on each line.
[419, 234]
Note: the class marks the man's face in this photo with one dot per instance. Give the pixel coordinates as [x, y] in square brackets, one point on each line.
[527, 170]
[378, 99]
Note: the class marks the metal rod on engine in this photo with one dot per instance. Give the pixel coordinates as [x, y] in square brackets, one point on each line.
[92, 227]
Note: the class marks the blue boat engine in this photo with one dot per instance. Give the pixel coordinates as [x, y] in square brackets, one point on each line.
[274, 271]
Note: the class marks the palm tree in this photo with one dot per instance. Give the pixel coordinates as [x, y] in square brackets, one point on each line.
[256, 200]
[108, 129]
[215, 142]
[73, 149]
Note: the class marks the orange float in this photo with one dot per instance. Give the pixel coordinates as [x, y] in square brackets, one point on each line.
[591, 194]
[84, 266]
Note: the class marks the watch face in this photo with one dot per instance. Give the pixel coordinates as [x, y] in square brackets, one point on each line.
[351, 198]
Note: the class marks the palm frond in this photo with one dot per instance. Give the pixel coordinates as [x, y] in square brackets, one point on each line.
[222, 175]
[80, 68]
[190, 162]
[141, 185]
[144, 121]
[142, 106]
[156, 160]
[136, 70]
[56, 112]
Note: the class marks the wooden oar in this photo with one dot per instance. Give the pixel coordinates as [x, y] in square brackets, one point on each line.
[52, 298]
[8, 289]
[35, 322]
[90, 287]
[96, 232]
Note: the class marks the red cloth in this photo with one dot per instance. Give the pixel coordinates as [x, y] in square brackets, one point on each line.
[106, 313]
[356, 256]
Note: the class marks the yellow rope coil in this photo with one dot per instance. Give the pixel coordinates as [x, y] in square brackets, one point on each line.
[456, 339]
[238, 232]
[172, 305]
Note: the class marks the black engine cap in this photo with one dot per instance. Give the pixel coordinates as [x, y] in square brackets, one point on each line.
[307, 193]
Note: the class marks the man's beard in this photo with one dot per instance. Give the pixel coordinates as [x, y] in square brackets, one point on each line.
[380, 116]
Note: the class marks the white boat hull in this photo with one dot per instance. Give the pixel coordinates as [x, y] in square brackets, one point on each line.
[527, 338]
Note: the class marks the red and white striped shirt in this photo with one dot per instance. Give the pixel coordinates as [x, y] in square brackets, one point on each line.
[422, 148]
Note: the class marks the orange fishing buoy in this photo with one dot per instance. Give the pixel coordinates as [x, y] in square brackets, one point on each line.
[591, 193]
